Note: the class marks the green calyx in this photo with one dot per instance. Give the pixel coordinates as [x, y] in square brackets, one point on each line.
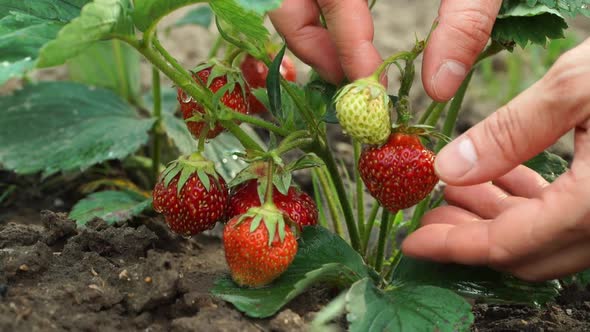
[273, 219]
[187, 166]
[363, 110]
[218, 69]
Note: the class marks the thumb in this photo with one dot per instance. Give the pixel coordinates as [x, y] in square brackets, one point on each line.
[463, 30]
[527, 125]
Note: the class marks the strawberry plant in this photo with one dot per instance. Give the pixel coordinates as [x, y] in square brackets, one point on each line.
[206, 166]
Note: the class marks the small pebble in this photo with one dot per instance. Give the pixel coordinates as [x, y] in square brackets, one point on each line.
[24, 268]
[124, 275]
[569, 312]
[147, 280]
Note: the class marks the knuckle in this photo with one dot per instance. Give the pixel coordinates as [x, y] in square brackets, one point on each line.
[503, 129]
[472, 28]
[565, 81]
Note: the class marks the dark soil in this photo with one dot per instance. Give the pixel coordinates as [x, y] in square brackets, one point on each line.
[140, 277]
[129, 277]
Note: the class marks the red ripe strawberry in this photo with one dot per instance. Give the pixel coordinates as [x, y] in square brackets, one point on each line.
[400, 173]
[255, 73]
[253, 259]
[234, 99]
[297, 205]
[198, 204]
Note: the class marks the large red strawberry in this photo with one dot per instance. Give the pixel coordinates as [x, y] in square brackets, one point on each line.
[259, 247]
[255, 73]
[235, 99]
[191, 196]
[399, 173]
[298, 205]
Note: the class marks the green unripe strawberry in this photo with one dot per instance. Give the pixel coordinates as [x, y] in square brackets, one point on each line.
[362, 108]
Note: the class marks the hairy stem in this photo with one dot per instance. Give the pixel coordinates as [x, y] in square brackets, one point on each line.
[382, 240]
[360, 193]
[328, 158]
[369, 227]
[259, 123]
[157, 128]
[331, 200]
[453, 112]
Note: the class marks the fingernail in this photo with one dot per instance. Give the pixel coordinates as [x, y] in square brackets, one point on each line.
[456, 159]
[448, 78]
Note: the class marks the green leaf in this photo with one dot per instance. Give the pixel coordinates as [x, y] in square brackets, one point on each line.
[273, 82]
[320, 96]
[406, 309]
[201, 16]
[27, 25]
[322, 257]
[96, 22]
[565, 7]
[475, 282]
[148, 12]
[241, 24]
[111, 64]
[522, 24]
[64, 126]
[110, 206]
[550, 166]
[260, 6]
[287, 115]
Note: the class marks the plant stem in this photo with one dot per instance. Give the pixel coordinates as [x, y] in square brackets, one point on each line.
[360, 193]
[428, 111]
[382, 239]
[269, 184]
[157, 128]
[304, 109]
[418, 214]
[369, 227]
[318, 198]
[328, 158]
[435, 116]
[242, 136]
[215, 47]
[330, 199]
[171, 60]
[404, 55]
[259, 123]
[453, 112]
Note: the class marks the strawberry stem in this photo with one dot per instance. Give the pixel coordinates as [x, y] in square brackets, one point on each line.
[383, 230]
[328, 191]
[269, 184]
[453, 113]
[157, 127]
[369, 227]
[203, 138]
[360, 193]
[328, 157]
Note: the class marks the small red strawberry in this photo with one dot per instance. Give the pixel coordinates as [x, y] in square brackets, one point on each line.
[191, 195]
[298, 205]
[399, 173]
[259, 247]
[255, 73]
[235, 99]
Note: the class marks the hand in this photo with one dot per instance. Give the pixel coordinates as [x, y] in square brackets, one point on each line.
[346, 48]
[518, 222]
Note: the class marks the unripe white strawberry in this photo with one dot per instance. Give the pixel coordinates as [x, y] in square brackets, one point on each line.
[362, 108]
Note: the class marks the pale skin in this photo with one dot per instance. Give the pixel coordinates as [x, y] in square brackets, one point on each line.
[500, 214]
